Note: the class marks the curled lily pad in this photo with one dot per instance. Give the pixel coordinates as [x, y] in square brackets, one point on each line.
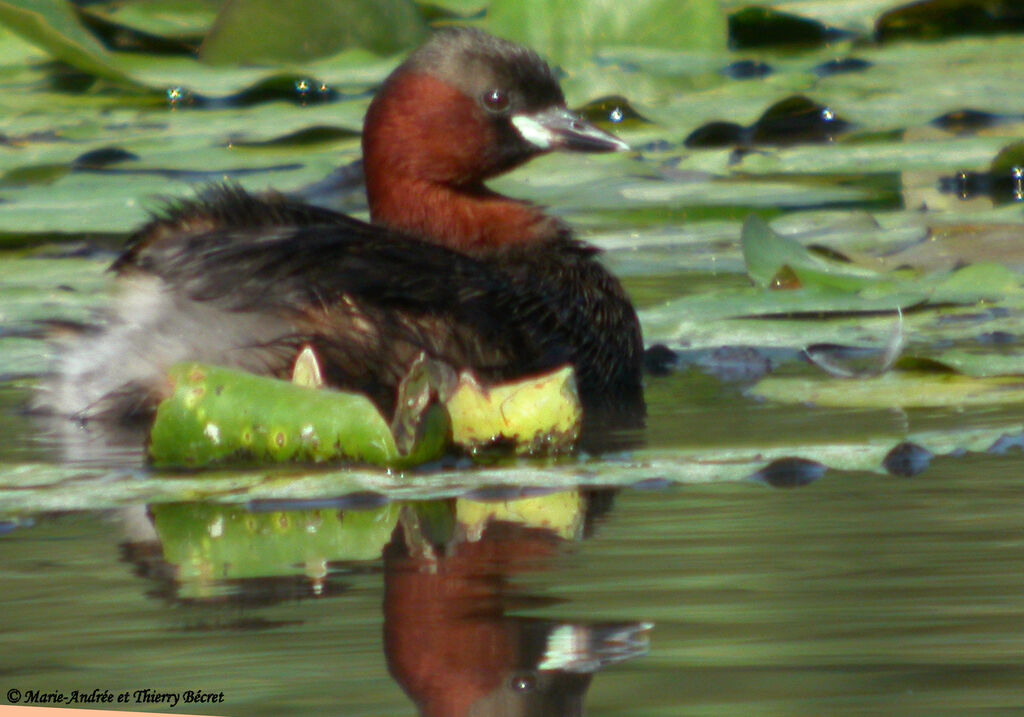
[777, 261]
[217, 415]
[540, 414]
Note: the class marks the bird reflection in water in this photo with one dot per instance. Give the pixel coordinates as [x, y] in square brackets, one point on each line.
[449, 587]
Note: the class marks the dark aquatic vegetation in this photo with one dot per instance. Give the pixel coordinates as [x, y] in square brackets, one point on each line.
[614, 109]
[790, 473]
[794, 120]
[300, 91]
[1002, 187]
[735, 364]
[936, 19]
[798, 120]
[908, 460]
[968, 120]
[841, 67]
[747, 70]
[998, 338]
[766, 27]
[118, 37]
[659, 360]
[718, 134]
[103, 158]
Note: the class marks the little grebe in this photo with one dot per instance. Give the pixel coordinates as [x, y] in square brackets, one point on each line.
[447, 267]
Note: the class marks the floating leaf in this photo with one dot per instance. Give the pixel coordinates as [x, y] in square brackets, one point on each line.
[53, 26]
[894, 390]
[981, 363]
[216, 415]
[570, 32]
[262, 31]
[541, 414]
[178, 19]
[768, 254]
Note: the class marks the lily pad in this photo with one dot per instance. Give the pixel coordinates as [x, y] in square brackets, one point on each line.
[538, 415]
[894, 390]
[570, 32]
[53, 26]
[262, 31]
[216, 415]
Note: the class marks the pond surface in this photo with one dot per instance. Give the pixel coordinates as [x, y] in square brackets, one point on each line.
[777, 541]
[861, 595]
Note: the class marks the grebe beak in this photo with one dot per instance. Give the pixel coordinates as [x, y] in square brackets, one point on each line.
[558, 128]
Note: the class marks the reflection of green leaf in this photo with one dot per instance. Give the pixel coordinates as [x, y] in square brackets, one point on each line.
[53, 26]
[570, 32]
[262, 31]
[205, 541]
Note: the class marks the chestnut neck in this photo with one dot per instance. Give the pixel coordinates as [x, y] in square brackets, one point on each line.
[427, 150]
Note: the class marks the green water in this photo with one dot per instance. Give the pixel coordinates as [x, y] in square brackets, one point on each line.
[666, 578]
[858, 595]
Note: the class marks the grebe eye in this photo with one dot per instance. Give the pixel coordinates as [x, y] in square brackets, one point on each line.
[522, 682]
[495, 100]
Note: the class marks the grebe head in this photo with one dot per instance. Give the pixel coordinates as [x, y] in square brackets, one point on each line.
[463, 108]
